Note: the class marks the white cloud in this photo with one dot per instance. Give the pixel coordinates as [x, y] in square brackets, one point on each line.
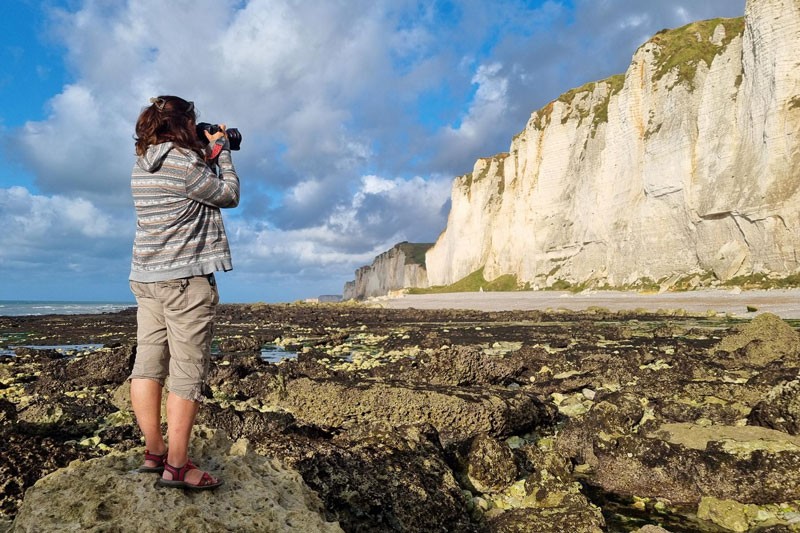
[490, 107]
[381, 213]
[45, 226]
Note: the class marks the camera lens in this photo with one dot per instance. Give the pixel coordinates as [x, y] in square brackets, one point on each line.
[234, 136]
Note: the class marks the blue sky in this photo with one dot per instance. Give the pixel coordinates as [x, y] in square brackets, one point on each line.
[356, 117]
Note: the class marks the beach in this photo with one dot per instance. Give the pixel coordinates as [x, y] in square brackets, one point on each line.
[436, 419]
[783, 302]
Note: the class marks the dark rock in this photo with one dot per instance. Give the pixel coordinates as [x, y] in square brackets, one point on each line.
[8, 416]
[228, 371]
[551, 465]
[780, 409]
[62, 415]
[255, 425]
[239, 344]
[617, 414]
[98, 369]
[467, 366]
[26, 458]
[390, 479]
[682, 463]
[371, 478]
[490, 464]
[37, 355]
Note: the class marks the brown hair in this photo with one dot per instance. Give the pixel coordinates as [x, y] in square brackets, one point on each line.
[168, 118]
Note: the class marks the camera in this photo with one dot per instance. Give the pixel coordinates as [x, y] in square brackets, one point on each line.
[234, 136]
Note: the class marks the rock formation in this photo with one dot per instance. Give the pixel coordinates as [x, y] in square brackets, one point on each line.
[107, 494]
[402, 266]
[689, 164]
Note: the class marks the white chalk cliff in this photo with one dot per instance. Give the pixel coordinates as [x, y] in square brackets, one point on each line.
[401, 266]
[690, 163]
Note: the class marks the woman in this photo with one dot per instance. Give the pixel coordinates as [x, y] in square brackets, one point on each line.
[179, 185]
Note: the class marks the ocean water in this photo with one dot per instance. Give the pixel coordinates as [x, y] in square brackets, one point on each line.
[30, 307]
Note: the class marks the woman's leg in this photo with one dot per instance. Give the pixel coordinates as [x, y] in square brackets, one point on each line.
[146, 402]
[180, 419]
[190, 323]
[150, 367]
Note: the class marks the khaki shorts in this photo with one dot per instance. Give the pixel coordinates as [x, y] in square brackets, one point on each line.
[175, 324]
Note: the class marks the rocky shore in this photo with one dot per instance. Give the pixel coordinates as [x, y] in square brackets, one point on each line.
[343, 417]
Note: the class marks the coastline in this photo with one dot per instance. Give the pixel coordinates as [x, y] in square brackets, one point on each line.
[60, 307]
[782, 302]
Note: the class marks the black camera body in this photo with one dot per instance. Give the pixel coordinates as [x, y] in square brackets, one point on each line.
[234, 136]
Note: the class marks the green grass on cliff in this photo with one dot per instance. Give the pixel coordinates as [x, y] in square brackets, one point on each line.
[684, 48]
[597, 110]
[474, 283]
[763, 281]
[415, 252]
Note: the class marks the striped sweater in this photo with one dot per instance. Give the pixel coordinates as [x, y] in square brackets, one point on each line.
[179, 231]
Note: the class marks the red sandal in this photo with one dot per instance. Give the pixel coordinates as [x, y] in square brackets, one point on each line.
[159, 460]
[177, 482]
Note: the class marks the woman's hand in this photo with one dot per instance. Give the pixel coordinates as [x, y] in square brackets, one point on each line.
[220, 134]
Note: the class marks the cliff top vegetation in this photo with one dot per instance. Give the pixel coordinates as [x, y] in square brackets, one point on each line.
[415, 252]
[685, 47]
[681, 48]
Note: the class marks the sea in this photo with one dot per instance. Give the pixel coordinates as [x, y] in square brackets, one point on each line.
[34, 307]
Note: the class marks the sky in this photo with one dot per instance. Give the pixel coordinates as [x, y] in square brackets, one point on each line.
[356, 116]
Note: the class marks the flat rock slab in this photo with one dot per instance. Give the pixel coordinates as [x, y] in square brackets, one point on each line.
[458, 413]
[107, 494]
[685, 462]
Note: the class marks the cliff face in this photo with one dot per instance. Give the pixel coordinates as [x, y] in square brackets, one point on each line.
[689, 163]
[402, 266]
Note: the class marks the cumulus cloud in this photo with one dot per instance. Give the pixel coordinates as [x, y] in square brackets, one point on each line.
[490, 106]
[381, 213]
[50, 230]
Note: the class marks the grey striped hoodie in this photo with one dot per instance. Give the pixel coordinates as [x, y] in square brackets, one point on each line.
[179, 230]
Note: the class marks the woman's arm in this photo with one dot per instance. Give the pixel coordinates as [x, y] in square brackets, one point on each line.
[205, 186]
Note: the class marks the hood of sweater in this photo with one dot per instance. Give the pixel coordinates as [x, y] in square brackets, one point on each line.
[154, 157]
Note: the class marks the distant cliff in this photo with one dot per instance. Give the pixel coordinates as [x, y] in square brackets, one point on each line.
[686, 165]
[402, 266]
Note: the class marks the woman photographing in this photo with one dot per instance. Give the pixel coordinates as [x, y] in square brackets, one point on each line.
[179, 185]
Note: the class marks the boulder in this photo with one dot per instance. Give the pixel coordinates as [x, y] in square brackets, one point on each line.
[104, 494]
[757, 343]
[490, 464]
[380, 479]
[458, 413]
[780, 409]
